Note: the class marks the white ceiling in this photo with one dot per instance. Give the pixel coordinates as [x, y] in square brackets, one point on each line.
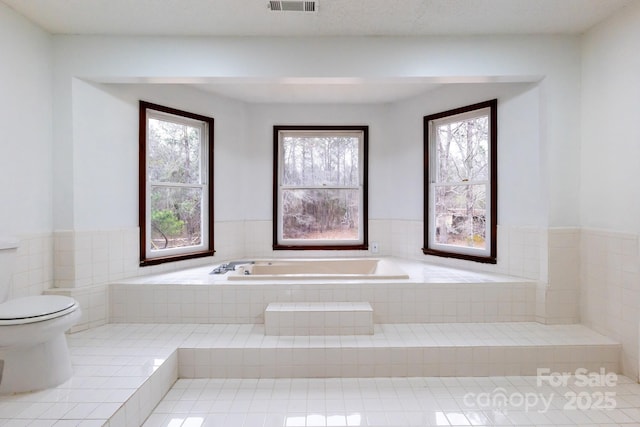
[319, 90]
[333, 18]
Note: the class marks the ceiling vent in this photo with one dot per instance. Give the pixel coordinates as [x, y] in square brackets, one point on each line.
[293, 6]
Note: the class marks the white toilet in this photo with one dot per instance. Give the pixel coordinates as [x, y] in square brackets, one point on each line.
[33, 347]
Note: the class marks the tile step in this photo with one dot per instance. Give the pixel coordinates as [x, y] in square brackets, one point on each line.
[123, 370]
[318, 318]
[422, 350]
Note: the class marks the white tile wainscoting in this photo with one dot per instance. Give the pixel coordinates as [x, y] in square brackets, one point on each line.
[33, 268]
[94, 257]
[94, 302]
[84, 263]
[610, 290]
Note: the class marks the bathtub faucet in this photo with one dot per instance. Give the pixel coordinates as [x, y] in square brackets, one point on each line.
[223, 268]
[230, 266]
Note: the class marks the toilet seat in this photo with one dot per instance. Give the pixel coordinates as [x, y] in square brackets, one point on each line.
[20, 311]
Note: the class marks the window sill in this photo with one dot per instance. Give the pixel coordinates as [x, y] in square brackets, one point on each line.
[466, 257]
[362, 247]
[161, 260]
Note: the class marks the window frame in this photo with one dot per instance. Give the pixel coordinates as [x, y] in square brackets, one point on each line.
[363, 158]
[206, 248]
[488, 255]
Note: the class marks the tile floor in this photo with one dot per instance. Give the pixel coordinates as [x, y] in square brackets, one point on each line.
[123, 371]
[398, 402]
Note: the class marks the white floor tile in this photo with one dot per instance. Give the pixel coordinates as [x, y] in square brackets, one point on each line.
[113, 361]
[394, 402]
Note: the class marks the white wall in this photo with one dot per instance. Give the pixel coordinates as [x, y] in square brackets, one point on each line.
[25, 126]
[26, 162]
[98, 79]
[520, 185]
[105, 162]
[105, 158]
[105, 150]
[609, 193]
[554, 61]
[260, 121]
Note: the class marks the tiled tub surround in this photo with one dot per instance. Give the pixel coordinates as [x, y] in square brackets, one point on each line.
[95, 258]
[122, 371]
[83, 264]
[432, 294]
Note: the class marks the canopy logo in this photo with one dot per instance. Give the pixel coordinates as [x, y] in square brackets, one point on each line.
[572, 398]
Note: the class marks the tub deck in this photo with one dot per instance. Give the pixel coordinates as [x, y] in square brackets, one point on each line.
[417, 272]
[431, 294]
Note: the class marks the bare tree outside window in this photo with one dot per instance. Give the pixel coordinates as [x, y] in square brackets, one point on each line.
[460, 199]
[320, 187]
[176, 184]
[460, 177]
[174, 151]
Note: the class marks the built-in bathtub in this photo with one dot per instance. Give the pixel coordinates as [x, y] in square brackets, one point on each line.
[319, 269]
[430, 294]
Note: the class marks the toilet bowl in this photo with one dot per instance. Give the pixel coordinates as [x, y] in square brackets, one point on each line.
[33, 347]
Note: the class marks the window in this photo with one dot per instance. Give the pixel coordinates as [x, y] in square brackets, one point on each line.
[176, 185]
[320, 187]
[461, 183]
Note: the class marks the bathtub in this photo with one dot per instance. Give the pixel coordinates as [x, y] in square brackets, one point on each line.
[318, 269]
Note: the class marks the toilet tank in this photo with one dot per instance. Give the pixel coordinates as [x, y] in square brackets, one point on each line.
[8, 249]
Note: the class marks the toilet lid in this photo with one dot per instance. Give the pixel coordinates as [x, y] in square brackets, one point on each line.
[35, 308]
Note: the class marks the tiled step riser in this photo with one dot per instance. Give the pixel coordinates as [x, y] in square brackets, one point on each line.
[139, 406]
[367, 362]
[306, 319]
[391, 302]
